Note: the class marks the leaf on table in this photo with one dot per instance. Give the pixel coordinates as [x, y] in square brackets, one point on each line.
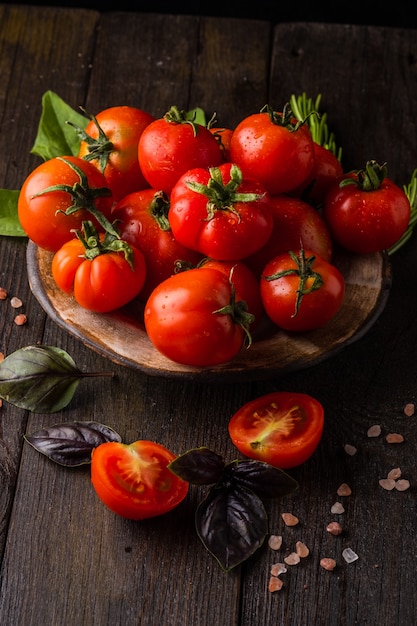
[55, 137]
[199, 466]
[9, 220]
[72, 443]
[264, 479]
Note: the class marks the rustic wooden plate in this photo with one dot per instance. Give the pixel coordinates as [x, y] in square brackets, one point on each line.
[121, 336]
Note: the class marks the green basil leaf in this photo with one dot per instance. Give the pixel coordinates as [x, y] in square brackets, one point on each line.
[232, 524]
[55, 137]
[42, 379]
[9, 219]
[196, 115]
[264, 479]
[71, 444]
[199, 466]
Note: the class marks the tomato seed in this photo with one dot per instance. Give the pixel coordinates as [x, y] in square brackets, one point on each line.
[374, 431]
[394, 438]
[327, 563]
[275, 542]
[334, 528]
[290, 519]
[344, 490]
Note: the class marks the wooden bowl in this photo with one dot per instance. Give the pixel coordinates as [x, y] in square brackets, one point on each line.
[121, 337]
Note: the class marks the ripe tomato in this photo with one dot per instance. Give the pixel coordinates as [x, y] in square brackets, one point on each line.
[367, 212]
[219, 213]
[192, 319]
[301, 291]
[134, 481]
[295, 223]
[110, 141]
[100, 279]
[142, 220]
[280, 428]
[171, 145]
[274, 149]
[327, 170]
[58, 196]
[224, 137]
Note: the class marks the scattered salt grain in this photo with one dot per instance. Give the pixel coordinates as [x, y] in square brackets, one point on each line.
[402, 484]
[301, 549]
[275, 542]
[387, 483]
[277, 569]
[2, 357]
[328, 564]
[394, 473]
[349, 555]
[374, 431]
[20, 320]
[344, 490]
[350, 450]
[275, 584]
[409, 409]
[292, 559]
[394, 438]
[3, 293]
[334, 528]
[15, 302]
[337, 508]
[290, 519]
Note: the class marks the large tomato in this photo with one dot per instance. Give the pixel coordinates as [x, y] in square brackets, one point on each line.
[58, 196]
[171, 145]
[110, 141]
[367, 212]
[295, 223]
[142, 220]
[192, 318]
[101, 278]
[219, 213]
[281, 428]
[327, 170]
[274, 149]
[134, 481]
[301, 291]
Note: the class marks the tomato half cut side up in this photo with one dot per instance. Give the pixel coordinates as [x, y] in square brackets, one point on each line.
[280, 428]
[134, 481]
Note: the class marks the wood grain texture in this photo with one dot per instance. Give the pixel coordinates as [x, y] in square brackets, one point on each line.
[67, 560]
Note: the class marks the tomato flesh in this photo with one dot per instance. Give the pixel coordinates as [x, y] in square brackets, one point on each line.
[133, 480]
[280, 428]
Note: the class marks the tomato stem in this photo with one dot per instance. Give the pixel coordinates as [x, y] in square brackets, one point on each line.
[238, 311]
[100, 148]
[95, 245]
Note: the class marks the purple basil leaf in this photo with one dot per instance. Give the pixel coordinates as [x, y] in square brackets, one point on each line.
[232, 524]
[199, 466]
[261, 478]
[71, 443]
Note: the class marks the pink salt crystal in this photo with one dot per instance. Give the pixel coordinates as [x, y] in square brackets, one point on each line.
[3, 293]
[344, 490]
[409, 409]
[394, 438]
[387, 483]
[394, 473]
[2, 357]
[334, 528]
[337, 508]
[292, 559]
[350, 450]
[277, 569]
[20, 320]
[275, 542]
[327, 563]
[374, 431]
[402, 484]
[290, 519]
[349, 555]
[275, 584]
[301, 549]
[16, 302]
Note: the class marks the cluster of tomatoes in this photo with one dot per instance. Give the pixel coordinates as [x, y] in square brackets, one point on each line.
[212, 229]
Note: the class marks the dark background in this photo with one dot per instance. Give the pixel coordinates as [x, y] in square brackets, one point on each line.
[396, 14]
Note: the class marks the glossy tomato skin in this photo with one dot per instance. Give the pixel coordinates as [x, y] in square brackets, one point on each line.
[102, 284]
[272, 154]
[133, 480]
[42, 218]
[123, 127]
[227, 234]
[317, 308]
[224, 137]
[281, 428]
[327, 170]
[138, 225]
[367, 221]
[182, 323]
[168, 149]
[295, 222]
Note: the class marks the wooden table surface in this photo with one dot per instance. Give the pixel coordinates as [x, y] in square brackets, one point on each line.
[65, 559]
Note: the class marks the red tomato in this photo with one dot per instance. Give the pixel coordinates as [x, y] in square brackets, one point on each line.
[295, 223]
[326, 171]
[134, 481]
[191, 318]
[102, 283]
[370, 213]
[142, 221]
[110, 142]
[301, 291]
[171, 145]
[219, 213]
[58, 196]
[280, 428]
[224, 137]
[274, 149]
